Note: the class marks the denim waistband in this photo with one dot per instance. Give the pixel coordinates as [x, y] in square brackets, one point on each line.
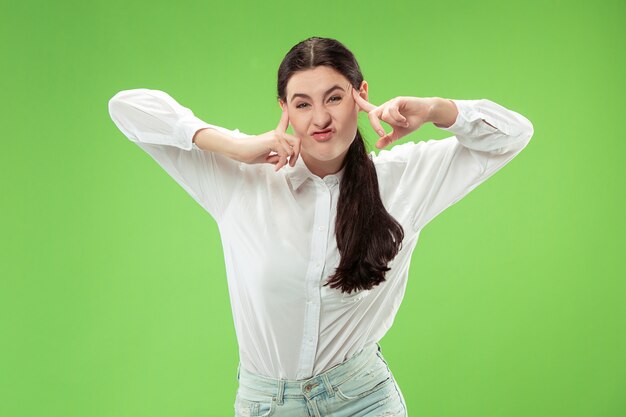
[313, 386]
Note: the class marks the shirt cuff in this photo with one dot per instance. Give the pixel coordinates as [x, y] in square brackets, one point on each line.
[187, 127]
[473, 110]
[508, 129]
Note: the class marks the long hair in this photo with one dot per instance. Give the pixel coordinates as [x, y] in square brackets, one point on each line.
[368, 237]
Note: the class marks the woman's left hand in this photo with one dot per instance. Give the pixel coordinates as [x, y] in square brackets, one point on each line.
[404, 114]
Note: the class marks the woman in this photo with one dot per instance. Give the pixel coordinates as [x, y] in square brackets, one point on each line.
[317, 233]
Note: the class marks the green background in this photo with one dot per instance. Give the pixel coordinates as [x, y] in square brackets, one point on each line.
[113, 296]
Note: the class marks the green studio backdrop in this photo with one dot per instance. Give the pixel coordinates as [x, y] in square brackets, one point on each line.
[113, 294]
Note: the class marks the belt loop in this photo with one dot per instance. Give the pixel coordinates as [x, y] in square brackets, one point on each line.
[281, 391]
[329, 386]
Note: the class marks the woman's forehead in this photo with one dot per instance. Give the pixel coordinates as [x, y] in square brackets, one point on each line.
[315, 82]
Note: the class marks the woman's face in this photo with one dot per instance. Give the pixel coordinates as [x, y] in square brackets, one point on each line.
[319, 99]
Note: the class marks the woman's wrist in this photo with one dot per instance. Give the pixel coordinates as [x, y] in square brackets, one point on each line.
[209, 139]
[444, 113]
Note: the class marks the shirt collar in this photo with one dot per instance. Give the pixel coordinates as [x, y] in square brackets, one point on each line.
[299, 173]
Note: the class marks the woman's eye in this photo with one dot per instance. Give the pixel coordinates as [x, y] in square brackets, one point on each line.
[301, 105]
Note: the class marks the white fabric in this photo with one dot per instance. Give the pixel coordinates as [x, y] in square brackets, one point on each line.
[277, 228]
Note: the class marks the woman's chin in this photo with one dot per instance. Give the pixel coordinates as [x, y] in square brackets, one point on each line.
[325, 156]
[325, 152]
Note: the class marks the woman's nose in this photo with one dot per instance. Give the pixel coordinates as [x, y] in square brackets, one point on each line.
[321, 118]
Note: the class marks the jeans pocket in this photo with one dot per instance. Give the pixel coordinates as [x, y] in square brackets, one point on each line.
[253, 405]
[371, 379]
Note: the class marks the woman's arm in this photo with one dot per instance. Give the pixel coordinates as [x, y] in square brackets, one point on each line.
[483, 126]
[212, 140]
[487, 136]
[432, 175]
[191, 151]
[444, 113]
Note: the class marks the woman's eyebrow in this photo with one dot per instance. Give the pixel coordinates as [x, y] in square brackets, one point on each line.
[330, 90]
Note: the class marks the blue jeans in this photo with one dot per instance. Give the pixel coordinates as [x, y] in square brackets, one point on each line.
[361, 386]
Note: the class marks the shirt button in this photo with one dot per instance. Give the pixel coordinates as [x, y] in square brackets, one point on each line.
[241, 167]
[309, 302]
[320, 228]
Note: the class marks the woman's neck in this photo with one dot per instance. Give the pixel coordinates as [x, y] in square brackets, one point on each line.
[323, 168]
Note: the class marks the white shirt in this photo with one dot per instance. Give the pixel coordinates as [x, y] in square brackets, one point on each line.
[277, 228]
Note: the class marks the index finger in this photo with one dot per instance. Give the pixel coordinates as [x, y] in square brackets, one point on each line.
[284, 121]
[363, 104]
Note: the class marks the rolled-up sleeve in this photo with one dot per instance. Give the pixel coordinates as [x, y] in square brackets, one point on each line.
[164, 129]
[435, 174]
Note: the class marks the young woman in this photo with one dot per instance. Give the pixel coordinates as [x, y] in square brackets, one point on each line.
[317, 233]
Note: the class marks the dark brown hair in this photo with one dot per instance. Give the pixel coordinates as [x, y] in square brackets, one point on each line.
[368, 237]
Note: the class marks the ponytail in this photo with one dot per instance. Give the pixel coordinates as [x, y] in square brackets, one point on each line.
[368, 237]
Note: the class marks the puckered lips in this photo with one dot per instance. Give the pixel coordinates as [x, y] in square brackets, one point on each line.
[323, 135]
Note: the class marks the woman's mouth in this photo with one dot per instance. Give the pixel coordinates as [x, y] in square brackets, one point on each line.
[323, 135]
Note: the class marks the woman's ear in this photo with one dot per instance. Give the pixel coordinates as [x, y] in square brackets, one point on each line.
[363, 90]
[281, 104]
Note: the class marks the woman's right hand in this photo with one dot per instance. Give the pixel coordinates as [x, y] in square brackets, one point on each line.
[273, 147]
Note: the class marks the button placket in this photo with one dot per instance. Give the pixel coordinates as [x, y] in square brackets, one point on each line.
[319, 245]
